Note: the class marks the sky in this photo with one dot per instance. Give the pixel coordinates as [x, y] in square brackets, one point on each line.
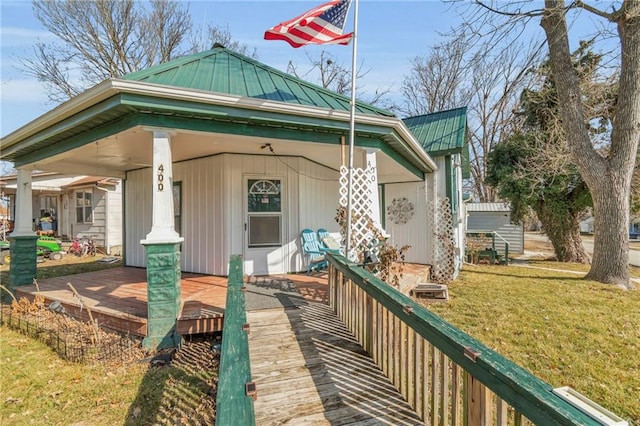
[389, 34]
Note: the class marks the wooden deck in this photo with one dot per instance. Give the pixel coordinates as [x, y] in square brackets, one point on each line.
[118, 299]
[309, 369]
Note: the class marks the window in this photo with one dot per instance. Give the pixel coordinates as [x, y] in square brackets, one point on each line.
[264, 201]
[177, 207]
[84, 206]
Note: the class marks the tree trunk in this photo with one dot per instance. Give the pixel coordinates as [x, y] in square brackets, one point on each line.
[564, 233]
[608, 178]
[611, 226]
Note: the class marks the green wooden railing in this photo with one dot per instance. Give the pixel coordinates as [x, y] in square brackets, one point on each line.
[448, 377]
[234, 402]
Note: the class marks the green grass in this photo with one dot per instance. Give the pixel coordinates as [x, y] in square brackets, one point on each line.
[37, 387]
[567, 331]
[68, 265]
[634, 271]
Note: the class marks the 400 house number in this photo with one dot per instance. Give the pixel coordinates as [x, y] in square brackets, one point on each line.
[161, 178]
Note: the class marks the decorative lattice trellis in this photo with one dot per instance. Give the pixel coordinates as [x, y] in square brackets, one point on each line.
[361, 206]
[444, 247]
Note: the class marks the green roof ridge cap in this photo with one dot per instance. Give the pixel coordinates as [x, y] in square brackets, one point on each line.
[166, 66]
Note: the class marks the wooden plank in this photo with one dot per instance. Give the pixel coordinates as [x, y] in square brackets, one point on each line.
[521, 389]
[435, 385]
[313, 372]
[444, 390]
[456, 391]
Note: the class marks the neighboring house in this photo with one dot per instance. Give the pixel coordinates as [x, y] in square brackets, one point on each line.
[496, 217]
[586, 225]
[77, 205]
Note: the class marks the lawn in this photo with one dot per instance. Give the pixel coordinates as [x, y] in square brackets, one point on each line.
[38, 387]
[567, 331]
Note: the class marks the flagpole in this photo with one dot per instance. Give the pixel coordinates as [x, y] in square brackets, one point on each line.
[352, 123]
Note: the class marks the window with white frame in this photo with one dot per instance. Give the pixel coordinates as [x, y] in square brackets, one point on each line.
[265, 212]
[84, 206]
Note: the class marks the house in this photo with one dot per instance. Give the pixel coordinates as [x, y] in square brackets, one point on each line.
[496, 218]
[77, 206]
[444, 136]
[220, 154]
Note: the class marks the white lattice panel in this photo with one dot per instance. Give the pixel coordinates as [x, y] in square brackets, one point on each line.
[361, 206]
[444, 247]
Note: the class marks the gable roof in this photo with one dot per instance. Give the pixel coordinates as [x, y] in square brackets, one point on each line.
[440, 133]
[178, 95]
[224, 71]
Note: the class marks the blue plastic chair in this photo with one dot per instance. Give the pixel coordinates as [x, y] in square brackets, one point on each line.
[312, 248]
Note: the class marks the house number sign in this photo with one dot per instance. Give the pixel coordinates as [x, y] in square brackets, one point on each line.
[160, 177]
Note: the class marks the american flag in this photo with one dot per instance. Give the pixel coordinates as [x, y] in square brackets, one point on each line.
[321, 25]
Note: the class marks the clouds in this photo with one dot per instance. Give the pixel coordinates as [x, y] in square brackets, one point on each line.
[11, 37]
[22, 101]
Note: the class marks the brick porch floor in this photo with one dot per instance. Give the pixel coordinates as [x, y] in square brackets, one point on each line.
[117, 298]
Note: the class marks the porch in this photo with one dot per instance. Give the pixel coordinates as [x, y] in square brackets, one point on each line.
[117, 297]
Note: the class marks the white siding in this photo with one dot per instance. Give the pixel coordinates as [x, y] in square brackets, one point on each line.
[137, 216]
[213, 209]
[97, 228]
[318, 203]
[114, 219]
[414, 232]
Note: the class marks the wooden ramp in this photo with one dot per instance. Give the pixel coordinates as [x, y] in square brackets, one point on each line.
[309, 369]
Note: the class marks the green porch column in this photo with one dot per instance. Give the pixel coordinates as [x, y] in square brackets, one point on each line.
[162, 246]
[163, 295]
[22, 269]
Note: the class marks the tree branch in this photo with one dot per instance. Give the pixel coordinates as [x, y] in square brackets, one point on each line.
[582, 5]
[518, 14]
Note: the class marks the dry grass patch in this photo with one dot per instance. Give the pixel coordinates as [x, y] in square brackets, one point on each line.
[567, 331]
[37, 387]
[634, 271]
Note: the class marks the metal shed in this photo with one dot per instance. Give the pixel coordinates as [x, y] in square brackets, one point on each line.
[496, 217]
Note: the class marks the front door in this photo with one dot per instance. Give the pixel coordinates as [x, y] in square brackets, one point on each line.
[263, 247]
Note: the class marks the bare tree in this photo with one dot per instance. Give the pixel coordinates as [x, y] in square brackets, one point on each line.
[101, 39]
[438, 81]
[334, 76]
[221, 36]
[461, 71]
[607, 172]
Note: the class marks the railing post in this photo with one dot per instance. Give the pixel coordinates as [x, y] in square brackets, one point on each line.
[478, 402]
[236, 390]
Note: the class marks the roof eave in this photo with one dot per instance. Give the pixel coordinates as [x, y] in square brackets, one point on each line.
[112, 87]
[65, 110]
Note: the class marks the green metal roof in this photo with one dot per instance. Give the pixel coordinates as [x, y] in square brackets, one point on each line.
[224, 71]
[442, 132]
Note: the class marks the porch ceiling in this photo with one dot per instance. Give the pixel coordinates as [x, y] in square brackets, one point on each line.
[132, 149]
